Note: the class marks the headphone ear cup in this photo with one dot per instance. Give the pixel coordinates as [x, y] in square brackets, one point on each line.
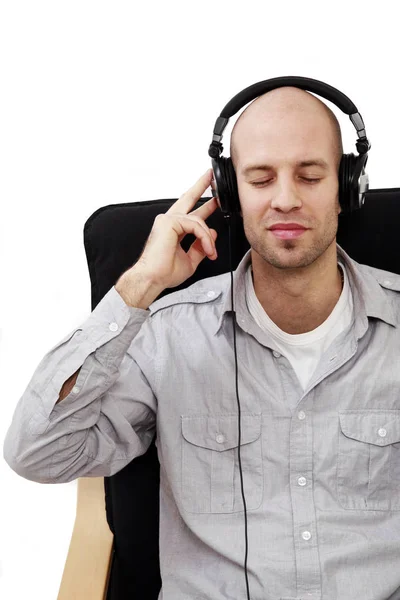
[226, 184]
[220, 184]
[230, 172]
[346, 171]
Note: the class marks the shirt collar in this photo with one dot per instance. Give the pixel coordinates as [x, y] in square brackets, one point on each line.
[370, 300]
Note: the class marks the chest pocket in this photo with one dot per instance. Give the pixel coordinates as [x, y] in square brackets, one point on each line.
[210, 480]
[368, 474]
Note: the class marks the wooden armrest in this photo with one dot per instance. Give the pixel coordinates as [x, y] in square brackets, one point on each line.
[87, 568]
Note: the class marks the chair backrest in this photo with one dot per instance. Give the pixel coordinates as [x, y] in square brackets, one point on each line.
[114, 237]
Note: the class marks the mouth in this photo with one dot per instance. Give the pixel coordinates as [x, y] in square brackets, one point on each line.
[287, 231]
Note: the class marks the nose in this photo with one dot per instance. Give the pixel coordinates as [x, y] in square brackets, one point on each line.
[285, 196]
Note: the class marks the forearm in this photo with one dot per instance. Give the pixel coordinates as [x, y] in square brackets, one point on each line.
[39, 444]
[137, 291]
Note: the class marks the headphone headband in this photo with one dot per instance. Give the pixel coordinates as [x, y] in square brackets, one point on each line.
[353, 180]
[305, 83]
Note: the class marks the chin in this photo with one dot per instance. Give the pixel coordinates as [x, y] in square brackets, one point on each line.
[290, 256]
[288, 264]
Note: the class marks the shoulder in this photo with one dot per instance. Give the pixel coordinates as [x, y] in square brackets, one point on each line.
[386, 279]
[203, 291]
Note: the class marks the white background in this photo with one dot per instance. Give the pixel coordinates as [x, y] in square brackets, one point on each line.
[109, 102]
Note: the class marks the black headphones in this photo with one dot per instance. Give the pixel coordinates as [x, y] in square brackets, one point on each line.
[353, 181]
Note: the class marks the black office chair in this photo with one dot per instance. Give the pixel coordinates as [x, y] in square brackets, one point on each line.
[124, 564]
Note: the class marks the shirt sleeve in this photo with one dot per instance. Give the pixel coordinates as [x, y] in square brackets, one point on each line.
[109, 416]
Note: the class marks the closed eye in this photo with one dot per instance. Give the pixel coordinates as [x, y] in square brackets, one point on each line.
[261, 183]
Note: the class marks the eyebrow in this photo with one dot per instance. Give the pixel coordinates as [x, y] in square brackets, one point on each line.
[317, 162]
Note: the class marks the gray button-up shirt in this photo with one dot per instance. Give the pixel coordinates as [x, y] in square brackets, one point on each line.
[321, 467]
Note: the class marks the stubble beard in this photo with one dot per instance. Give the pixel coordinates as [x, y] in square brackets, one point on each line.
[290, 254]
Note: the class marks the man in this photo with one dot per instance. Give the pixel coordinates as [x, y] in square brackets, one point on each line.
[319, 398]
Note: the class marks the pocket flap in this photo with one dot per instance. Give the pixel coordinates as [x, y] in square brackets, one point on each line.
[221, 432]
[379, 427]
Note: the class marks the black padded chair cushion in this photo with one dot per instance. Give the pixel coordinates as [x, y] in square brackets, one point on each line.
[114, 237]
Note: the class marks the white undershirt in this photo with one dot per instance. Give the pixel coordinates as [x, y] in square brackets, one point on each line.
[303, 350]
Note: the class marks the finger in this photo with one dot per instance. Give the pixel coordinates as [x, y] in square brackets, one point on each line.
[201, 231]
[203, 225]
[188, 199]
[206, 209]
[196, 254]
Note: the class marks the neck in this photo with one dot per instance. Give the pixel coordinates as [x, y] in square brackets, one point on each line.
[298, 300]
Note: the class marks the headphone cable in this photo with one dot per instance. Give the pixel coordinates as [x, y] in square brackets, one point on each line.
[228, 217]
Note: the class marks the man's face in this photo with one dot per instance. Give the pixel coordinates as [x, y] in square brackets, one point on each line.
[287, 191]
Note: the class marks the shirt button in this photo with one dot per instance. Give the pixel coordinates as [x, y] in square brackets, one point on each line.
[306, 535]
[220, 438]
[302, 481]
[113, 326]
[382, 432]
[211, 294]
[75, 389]
[276, 354]
[301, 415]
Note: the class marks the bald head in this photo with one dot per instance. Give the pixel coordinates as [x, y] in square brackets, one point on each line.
[282, 108]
